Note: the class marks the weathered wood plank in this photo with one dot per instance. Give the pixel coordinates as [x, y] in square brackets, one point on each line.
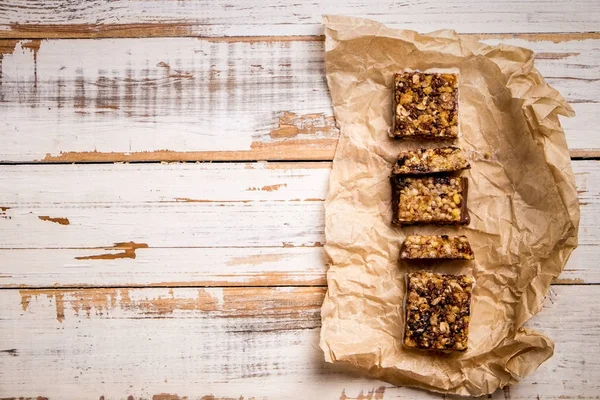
[176, 224]
[202, 267]
[232, 342]
[23, 18]
[182, 183]
[222, 224]
[246, 266]
[178, 99]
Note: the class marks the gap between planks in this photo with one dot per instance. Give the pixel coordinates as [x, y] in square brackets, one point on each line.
[239, 156]
[80, 159]
[194, 285]
[150, 30]
[179, 285]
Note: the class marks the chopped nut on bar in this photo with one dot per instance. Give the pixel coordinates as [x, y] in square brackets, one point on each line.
[427, 161]
[437, 247]
[439, 200]
[425, 106]
[438, 311]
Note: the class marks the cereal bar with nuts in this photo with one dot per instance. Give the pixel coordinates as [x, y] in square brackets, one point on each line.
[427, 161]
[425, 106]
[438, 309]
[439, 200]
[436, 247]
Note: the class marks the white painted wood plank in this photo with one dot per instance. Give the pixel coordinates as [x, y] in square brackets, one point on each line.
[103, 184]
[165, 225]
[177, 205]
[248, 266]
[189, 99]
[255, 343]
[245, 266]
[581, 130]
[179, 95]
[284, 17]
[208, 207]
[558, 58]
[87, 184]
[582, 267]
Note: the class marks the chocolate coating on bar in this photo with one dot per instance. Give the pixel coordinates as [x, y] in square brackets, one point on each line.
[425, 106]
[427, 161]
[438, 200]
[436, 247]
[438, 311]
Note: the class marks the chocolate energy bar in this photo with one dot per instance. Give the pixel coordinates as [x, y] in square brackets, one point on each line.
[427, 161]
[436, 247]
[425, 106]
[438, 309]
[429, 200]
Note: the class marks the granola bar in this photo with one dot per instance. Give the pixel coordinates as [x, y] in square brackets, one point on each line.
[425, 106]
[440, 200]
[427, 161]
[438, 311]
[437, 247]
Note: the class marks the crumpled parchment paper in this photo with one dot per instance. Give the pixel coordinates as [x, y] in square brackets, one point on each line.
[522, 201]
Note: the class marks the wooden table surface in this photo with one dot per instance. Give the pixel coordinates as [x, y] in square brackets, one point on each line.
[132, 268]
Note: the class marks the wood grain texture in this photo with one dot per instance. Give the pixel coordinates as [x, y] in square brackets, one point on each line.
[201, 267]
[166, 225]
[202, 224]
[164, 267]
[104, 18]
[233, 343]
[181, 99]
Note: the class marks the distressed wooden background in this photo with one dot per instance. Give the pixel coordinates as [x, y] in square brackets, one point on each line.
[123, 276]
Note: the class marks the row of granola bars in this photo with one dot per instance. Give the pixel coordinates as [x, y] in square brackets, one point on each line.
[426, 189]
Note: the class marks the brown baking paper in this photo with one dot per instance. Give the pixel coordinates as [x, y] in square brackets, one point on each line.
[522, 201]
